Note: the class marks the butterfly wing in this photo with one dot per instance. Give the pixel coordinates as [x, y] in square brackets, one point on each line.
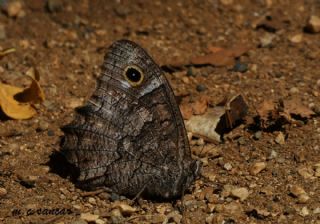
[130, 135]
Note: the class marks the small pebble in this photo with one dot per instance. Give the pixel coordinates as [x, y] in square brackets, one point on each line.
[240, 67]
[227, 166]
[304, 212]
[294, 90]
[242, 193]
[201, 88]
[266, 40]
[190, 72]
[268, 190]
[257, 168]
[303, 198]
[316, 210]
[42, 126]
[92, 200]
[77, 207]
[89, 217]
[227, 188]
[233, 208]
[13, 8]
[104, 196]
[305, 172]
[50, 133]
[100, 221]
[3, 192]
[273, 155]
[257, 135]
[114, 196]
[62, 197]
[174, 217]
[313, 24]
[185, 80]
[116, 216]
[241, 140]
[73, 102]
[27, 181]
[296, 38]
[300, 193]
[280, 139]
[124, 208]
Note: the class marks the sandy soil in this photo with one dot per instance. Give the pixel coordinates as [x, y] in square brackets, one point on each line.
[67, 43]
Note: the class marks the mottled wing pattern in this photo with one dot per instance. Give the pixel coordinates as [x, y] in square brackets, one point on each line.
[131, 138]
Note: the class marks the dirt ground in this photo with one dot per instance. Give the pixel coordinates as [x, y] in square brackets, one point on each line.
[254, 176]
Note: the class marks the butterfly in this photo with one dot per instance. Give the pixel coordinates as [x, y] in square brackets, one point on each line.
[130, 135]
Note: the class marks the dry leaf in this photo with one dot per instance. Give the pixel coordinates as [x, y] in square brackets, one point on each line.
[216, 59]
[204, 126]
[234, 52]
[34, 93]
[236, 108]
[271, 114]
[11, 107]
[296, 108]
[282, 112]
[17, 102]
[220, 56]
[218, 120]
[266, 110]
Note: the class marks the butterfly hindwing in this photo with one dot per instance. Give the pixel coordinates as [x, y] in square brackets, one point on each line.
[130, 135]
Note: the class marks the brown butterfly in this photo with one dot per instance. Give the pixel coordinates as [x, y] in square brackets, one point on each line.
[130, 135]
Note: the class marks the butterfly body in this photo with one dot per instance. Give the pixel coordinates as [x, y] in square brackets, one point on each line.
[130, 135]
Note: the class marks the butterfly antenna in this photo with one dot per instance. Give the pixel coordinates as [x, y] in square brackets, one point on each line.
[202, 149]
[138, 194]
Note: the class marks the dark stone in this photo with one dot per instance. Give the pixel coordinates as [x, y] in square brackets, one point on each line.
[240, 67]
[50, 133]
[201, 88]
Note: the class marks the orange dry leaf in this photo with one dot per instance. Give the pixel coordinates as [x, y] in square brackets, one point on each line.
[10, 106]
[17, 102]
[295, 107]
[266, 110]
[34, 93]
[220, 56]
